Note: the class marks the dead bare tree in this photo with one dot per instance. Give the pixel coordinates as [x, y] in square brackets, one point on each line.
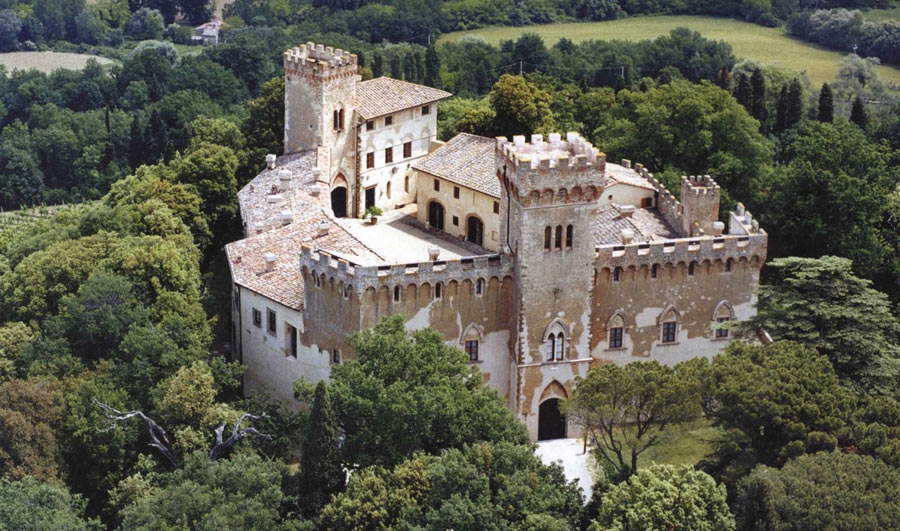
[160, 441]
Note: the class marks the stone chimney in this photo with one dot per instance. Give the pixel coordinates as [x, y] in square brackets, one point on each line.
[433, 253]
[627, 236]
[626, 211]
[324, 227]
[270, 161]
[270, 259]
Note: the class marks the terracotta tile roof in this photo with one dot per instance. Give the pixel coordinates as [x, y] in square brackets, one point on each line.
[284, 284]
[646, 223]
[621, 174]
[467, 160]
[384, 95]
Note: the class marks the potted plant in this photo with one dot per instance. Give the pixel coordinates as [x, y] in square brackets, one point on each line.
[372, 213]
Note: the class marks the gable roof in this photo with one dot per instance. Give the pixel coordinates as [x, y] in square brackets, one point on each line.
[384, 95]
[467, 160]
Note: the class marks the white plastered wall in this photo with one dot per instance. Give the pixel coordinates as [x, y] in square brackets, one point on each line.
[470, 203]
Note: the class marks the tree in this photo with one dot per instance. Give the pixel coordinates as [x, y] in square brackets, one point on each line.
[822, 491]
[30, 415]
[145, 24]
[826, 104]
[409, 67]
[10, 26]
[432, 68]
[794, 104]
[662, 497]
[773, 402]
[822, 304]
[529, 54]
[28, 504]
[412, 392]
[321, 474]
[858, 113]
[744, 93]
[480, 486]
[625, 409]
[264, 126]
[781, 116]
[377, 64]
[397, 65]
[758, 109]
[521, 107]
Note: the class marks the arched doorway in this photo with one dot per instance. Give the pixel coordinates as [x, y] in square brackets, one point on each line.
[551, 421]
[475, 230]
[339, 202]
[436, 215]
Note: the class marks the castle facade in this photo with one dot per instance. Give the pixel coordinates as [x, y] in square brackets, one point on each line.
[536, 256]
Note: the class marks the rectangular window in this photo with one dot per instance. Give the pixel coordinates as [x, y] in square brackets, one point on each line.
[389, 155]
[668, 335]
[456, 220]
[721, 333]
[615, 337]
[335, 119]
[646, 202]
[291, 340]
[496, 207]
[426, 109]
[407, 150]
[336, 357]
[456, 192]
[370, 125]
[272, 324]
[370, 160]
[437, 185]
[257, 318]
[472, 349]
[388, 120]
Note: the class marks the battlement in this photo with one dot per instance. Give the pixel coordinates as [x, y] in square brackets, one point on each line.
[319, 61]
[699, 185]
[360, 278]
[684, 250]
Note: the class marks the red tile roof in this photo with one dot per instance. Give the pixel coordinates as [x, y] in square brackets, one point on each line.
[384, 95]
[467, 160]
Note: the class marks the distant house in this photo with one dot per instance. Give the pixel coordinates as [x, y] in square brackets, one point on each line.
[207, 33]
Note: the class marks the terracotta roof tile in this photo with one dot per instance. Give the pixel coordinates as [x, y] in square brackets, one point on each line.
[646, 223]
[467, 160]
[384, 95]
[621, 174]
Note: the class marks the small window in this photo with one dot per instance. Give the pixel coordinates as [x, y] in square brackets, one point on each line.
[548, 237]
[389, 155]
[472, 349]
[389, 190]
[668, 331]
[347, 291]
[496, 207]
[388, 120]
[569, 235]
[370, 125]
[407, 150]
[615, 337]
[272, 324]
[456, 220]
[654, 270]
[646, 202]
[335, 120]
[438, 290]
[456, 192]
[396, 293]
[370, 160]
[426, 109]
[728, 265]
[617, 274]
[291, 340]
[721, 331]
[406, 184]
[551, 352]
[437, 185]
[479, 286]
[336, 356]
[257, 318]
[692, 268]
[341, 120]
[559, 346]
[558, 240]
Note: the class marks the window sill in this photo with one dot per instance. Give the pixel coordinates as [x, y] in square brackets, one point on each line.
[476, 361]
[612, 349]
[669, 344]
[720, 338]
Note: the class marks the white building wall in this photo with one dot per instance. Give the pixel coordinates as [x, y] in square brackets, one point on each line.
[469, 203]
[624, 194]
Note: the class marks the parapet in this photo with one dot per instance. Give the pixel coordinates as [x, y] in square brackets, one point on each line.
[721, 247]
[699, 185]
[553, 164]
[319, 61]
[741, 222]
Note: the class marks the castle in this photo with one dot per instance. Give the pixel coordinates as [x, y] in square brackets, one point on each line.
[535, 256]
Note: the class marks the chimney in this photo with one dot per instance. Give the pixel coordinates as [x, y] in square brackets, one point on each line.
[433, 253]
[270, 161]
[270, 259]
[627, 236]
[286, 217]
[626, 211]
[324, 227]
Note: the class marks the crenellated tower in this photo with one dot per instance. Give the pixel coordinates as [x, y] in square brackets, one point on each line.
[549, 193]
[320, 82]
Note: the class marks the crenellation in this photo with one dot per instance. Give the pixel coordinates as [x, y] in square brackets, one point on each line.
[682, 249]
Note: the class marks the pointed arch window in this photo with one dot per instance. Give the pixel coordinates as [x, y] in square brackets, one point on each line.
[669, 326]
[479, 287]
[722, 315]
[396, 293]
[555, 342]
[471, 341]
[439, 290]
[558, 242]
[548, 236]
[616, 328]
[569, 236]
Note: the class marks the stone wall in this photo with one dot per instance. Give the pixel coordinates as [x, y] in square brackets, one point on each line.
[469, 203]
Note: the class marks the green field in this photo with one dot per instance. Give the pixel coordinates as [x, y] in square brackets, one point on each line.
[750, 41]
[48, 61]
[882, 15]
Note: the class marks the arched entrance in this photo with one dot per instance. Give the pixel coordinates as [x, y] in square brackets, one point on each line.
[475, 230]
[339, 202]
[551, 421]
[436, 215]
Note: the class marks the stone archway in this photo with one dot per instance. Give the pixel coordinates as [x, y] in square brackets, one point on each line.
[436, 215]
[475, 230]
[339, 202]
[551, 421]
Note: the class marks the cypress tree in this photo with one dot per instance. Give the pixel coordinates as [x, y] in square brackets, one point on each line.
[361, 59]
[397, 66]
[794, 103]
[377, 65]
[432, 68]
[826, 104]
[156, 139]
[782, 111]
[858, 113]
[759, 109]
[136, 145]
[744, 93]
[409, 67]
[420, 67]
[321, 474]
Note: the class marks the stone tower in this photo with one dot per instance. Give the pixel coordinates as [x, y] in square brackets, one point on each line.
[319, 86]
[700, 203]
[549, 194]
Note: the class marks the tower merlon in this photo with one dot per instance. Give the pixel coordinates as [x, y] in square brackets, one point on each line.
[554, 163]
[320, 61]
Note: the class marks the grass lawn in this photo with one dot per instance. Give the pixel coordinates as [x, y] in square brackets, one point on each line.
[882, 15]
[750, 41]
[48, 61]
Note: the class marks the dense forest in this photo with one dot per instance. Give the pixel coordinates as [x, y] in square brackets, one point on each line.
[115, 305]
